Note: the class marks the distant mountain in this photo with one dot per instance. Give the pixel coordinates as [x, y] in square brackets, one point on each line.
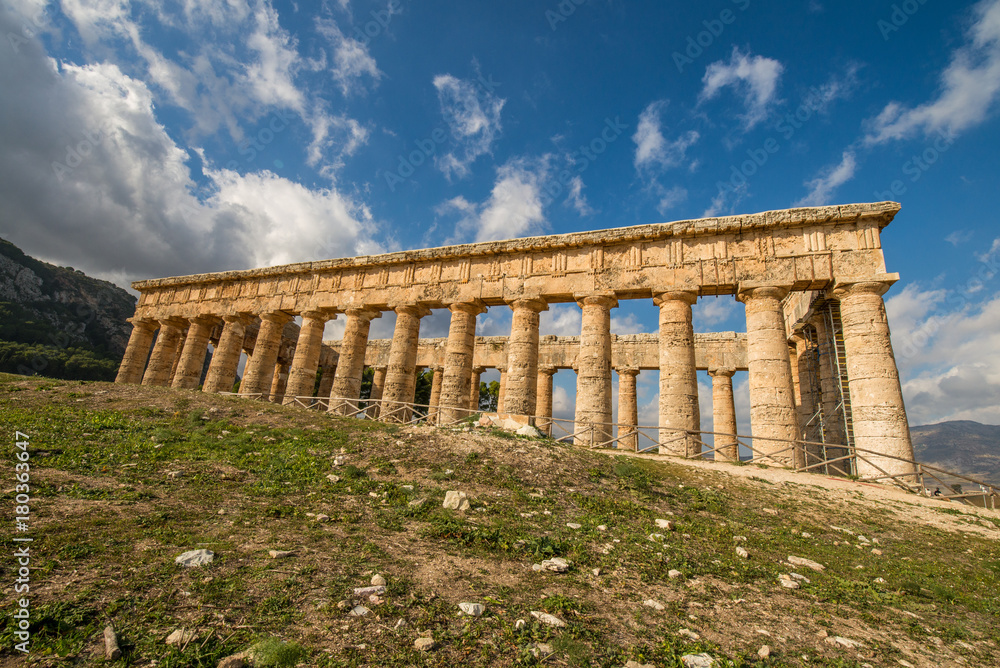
[961, 446]
[59, 322]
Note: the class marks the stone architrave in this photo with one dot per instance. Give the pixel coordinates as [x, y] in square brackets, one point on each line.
[521, 380]
[226, 358]
[628, 409]
[773, 416]
[137, 352]
[456, 380]
[593, 382]
[724, 415]
[259, 371]
[680, 415]
[193, 353]
[435, 400]
[165, 350]
[400, 375]
[351, 365]
[881, 431]
[477, 379]
[305, 363]
[543, 403]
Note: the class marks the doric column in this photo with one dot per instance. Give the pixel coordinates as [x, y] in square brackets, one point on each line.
[279, 382]
[879, 417]
[679, 411]
[628, 409]
[161, 361]
[456, 379]
[543, 402]
[502, 389]
[435, 400]
[772, 408]
[400, 376]
[259, 372]
[593, 396]
[378, 387]
[177, 355]
[799, 354]
[477, 379]
[351, 364]
[137, 352]
[302, 375]
[326, 381]
[226, 357]
[724, 415]
[834, 431]
[192, 357]
[522, 357]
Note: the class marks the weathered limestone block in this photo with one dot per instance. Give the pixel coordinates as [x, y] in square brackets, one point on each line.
[502, 390]
[378, 387]
[226, 358]
[457, 379]
[279, 382]
[139, 341]
[880, 424]
[193, 353]
[326, 381]
[477, 379]
[435, 399]
[679, 410]
[522, 357]
[543, 402]
[593, 385]
[628, 409]
[724, 415]
[400, 376]
[161, 360]
[351, 364]
[772, 407]
[305, 364]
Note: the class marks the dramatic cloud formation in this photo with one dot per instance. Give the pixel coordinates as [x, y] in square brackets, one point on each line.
[473, 114]
[753, 77]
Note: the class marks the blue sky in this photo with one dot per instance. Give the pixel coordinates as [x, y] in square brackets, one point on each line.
[145, 139]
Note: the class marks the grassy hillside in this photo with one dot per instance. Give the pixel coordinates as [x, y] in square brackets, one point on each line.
[126, 478]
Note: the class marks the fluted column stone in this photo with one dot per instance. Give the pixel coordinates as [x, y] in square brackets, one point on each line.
[378, 387]
[161, 360]
[772, 407]
[435, 400]
[879, 416]
[137, 352]
[226, 357]
[593, 397]
[834, 430]
[724, 415]
[326, 381]
[192, 357]
[456, 378]
[279, 382]
[543, 402]
[400, 376]
[305, 363]
[521, 383]
[477, 379]
[351, 364]
[628, 409]
[679, 409]
[259, 372]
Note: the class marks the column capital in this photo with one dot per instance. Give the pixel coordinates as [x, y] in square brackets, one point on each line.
[479, 369]
[319, 314]
[689, 297]
[474, 307]
[605, 299]
[416, 310]
[627, 371]
[535, 304]
[726, 372]
[547, 370]
[241, 318]
[180, 323]
[204, 319]
[761, 292]
[877, 288]
[277, 317]
[366, 314]
[142, 323]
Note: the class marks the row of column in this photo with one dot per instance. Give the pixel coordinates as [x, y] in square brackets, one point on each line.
[879, 418]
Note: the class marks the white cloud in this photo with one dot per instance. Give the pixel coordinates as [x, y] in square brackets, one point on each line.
[652, 149]
[473, 114]
[710, 312]
[627, 324]
[577, 199]
[968, 87]
[271, 75]
[959, 237]
[754, 77]
[668, 197]
[821, 187]
[561, 320]
[514, 208]
[351, 59]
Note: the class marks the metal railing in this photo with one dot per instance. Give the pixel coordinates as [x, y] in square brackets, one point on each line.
[798, 455]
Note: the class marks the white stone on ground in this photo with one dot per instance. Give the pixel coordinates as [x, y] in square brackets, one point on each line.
[698, 661]
[181, 637]
[472, 609]
[808, 563]
[359, 611]
[742, 553]
[546, 618]
[456, 500]
[673, 574]
[688, 633]
[280, 554]
[378, 580]
[787, 582]
[193, 558]
[665, 524]
[655, 605]
[424, 644]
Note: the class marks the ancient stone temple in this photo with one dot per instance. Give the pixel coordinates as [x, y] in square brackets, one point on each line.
[816, 348]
